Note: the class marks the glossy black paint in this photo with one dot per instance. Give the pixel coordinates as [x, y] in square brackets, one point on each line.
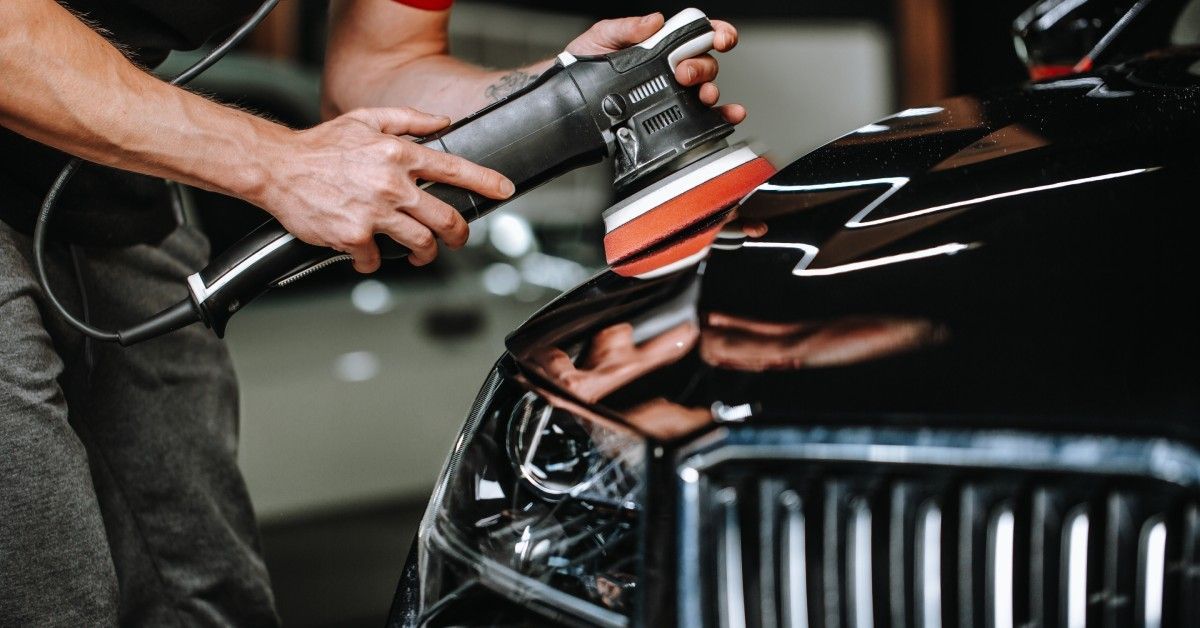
[1069, 303]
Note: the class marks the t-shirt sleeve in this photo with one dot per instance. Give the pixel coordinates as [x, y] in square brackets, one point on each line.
[428, 5]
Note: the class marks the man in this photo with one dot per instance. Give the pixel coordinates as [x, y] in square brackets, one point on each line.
[120, 500]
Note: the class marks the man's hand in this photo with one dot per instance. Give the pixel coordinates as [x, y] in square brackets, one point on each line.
[613, 35]
[343, 181]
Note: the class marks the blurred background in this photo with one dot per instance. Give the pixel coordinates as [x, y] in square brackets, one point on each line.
[353, 388]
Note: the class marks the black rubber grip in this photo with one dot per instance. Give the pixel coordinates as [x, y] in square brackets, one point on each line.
[538, 134]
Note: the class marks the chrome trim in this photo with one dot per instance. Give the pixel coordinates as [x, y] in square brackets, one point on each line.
[243, 265]
[795, 566]
[1155, 458]
[732, 595]
[202, 292]
[690, 612]
[198, 289]
[1153, 567]
[1000, 556]
[929, 567]
[858, 564]
[1076, 565]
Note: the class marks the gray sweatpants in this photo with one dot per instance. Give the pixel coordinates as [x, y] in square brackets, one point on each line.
[120, 497]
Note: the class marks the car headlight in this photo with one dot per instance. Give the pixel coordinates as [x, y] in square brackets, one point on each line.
[536, 504]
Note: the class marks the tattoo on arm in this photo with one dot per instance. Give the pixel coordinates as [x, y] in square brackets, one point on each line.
[508, 84]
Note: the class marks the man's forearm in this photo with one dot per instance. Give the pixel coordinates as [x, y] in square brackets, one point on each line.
[65, 86]
[448, 86]
[384, 54]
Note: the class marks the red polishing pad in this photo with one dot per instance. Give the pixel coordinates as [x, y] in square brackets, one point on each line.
[685, 251]
[679, 202]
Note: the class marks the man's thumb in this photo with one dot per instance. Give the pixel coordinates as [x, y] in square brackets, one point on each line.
[610, 35]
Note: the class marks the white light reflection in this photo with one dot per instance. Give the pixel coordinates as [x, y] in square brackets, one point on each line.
[895, 183]
[548, 271]
[1077, 542]
[863, 603]
[859, 220]
[730, 563]
[1154, 561]
[356, 366]
[1002, 569]
[929, 577]
[1068, 83]
[1051, 17]
[488, 489]
[501, 279]
[795, 563]
[872, 128]
[511, 235]
[917, 112]
[371, 296]
[810, 253]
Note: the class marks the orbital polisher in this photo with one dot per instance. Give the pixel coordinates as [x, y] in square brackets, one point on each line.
[675, 172]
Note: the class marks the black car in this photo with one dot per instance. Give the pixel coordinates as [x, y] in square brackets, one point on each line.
[941, 371]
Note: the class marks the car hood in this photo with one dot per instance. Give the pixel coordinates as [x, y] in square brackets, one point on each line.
[1023, 258]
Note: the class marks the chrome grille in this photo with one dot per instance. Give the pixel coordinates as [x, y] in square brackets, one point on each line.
[869, 529]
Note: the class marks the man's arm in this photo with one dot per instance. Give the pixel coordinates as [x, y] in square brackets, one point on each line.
[335, 185]
[382, 53]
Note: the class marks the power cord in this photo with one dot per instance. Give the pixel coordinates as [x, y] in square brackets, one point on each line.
[181, 312]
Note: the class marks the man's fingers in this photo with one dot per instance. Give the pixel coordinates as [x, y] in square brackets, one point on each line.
[610, 35]
[400, 120]
[440, 218]
[726, 36]
[709, 94]
[696, 70]
[438, 166]
[413, 235]
[733, 114]
[365, 256]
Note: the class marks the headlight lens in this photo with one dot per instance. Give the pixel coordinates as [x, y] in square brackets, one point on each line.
[538, 504]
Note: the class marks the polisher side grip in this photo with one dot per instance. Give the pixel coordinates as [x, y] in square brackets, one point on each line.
[625, 105]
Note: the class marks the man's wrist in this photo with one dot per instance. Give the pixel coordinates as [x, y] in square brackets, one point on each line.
[255, 170]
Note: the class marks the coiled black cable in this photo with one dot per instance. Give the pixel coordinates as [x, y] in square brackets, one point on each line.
[181, 311]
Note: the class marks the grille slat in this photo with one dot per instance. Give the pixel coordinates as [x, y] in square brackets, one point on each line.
[1152, 554]
[833, 548]
[794, 561]
[834, 545]
[730, 578]
[1120, 564]
[1001, 551]
[901, 553]
[859, 568]
[1045, 552]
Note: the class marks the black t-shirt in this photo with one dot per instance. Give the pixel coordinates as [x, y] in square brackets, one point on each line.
[102, 205]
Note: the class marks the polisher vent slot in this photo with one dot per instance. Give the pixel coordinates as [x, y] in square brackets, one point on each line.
[645, 90]
[663, 120]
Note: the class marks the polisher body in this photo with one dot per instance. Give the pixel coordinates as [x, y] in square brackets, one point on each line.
[626, 106]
